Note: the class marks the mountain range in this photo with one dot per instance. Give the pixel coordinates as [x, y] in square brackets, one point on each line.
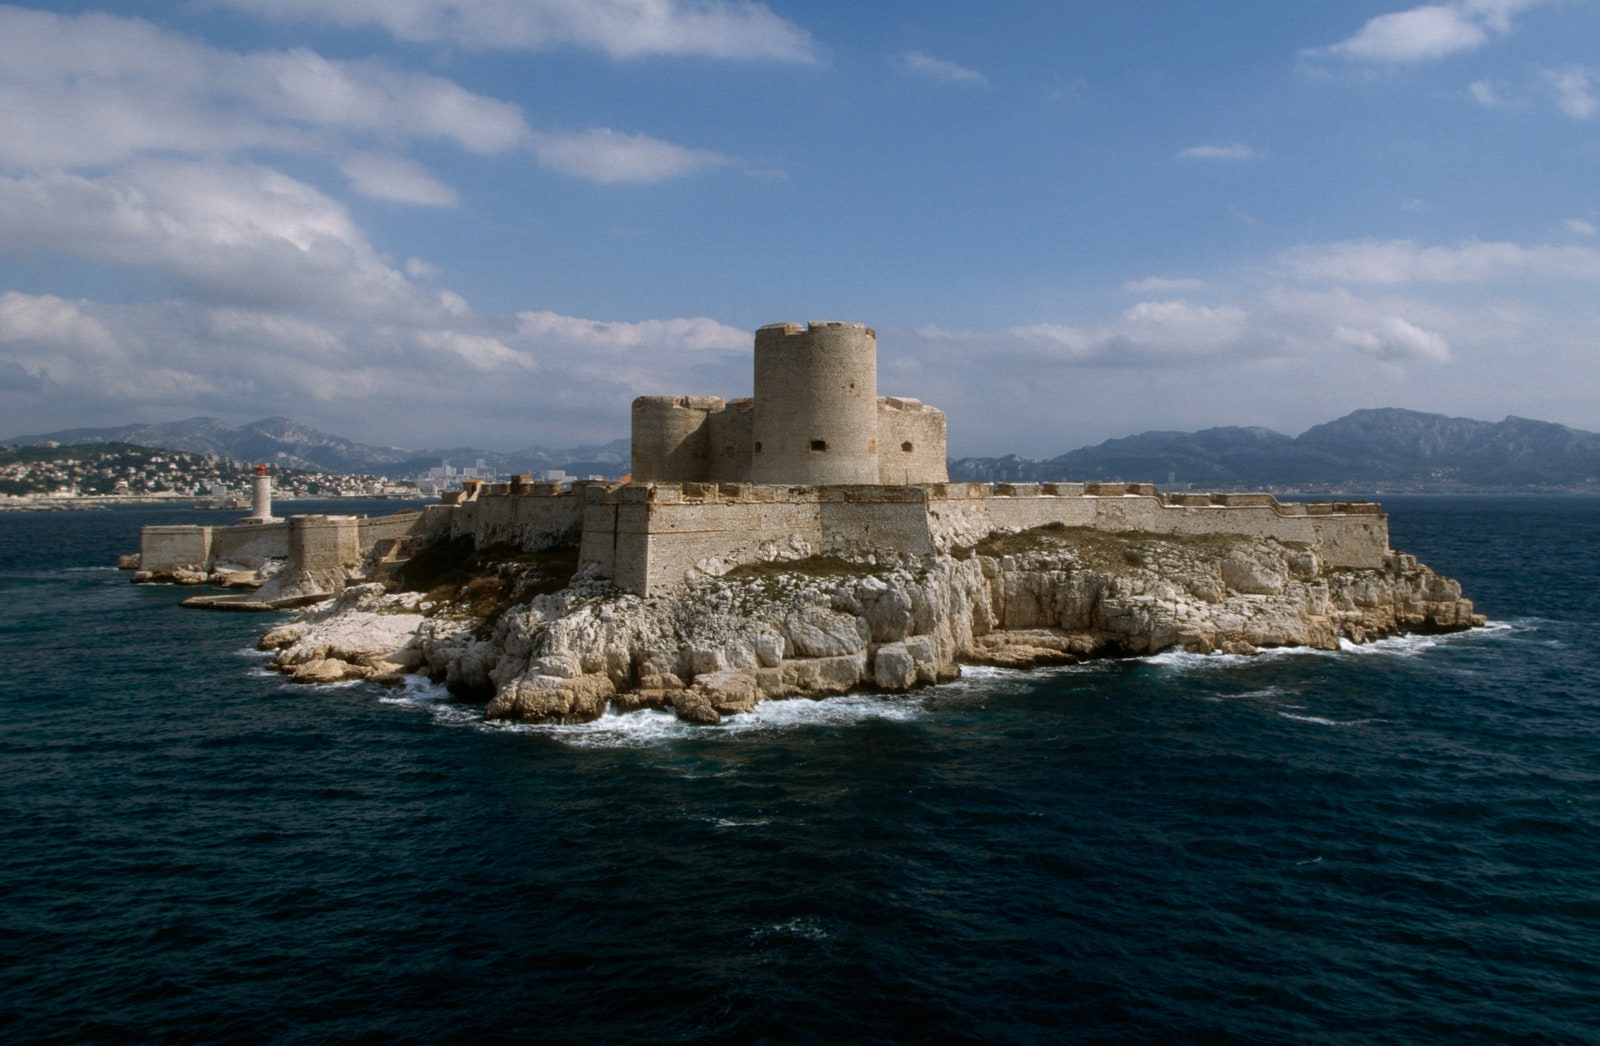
[1368, 450]
[285, 442]
[1384, 449]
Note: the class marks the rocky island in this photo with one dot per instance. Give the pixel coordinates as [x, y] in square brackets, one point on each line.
[803, 543]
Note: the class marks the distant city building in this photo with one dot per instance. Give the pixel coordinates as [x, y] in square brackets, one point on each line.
[445, 475]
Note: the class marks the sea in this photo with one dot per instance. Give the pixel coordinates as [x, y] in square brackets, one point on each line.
[1392, 843]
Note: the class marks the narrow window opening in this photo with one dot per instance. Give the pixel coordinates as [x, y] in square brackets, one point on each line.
[758, 446]
[906, 446]
[819, 444]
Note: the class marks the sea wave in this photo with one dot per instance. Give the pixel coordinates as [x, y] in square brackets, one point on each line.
[1324, 721]
[650, 727]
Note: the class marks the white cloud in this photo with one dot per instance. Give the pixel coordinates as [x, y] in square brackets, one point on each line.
[1243, 217]
[302, 86]
[52, 324]
[1160, 284]
[229, 233]
[1575, 91]
[1579, 227]
[619, 28]
[1428, 33]
[1151, 333]
[416, 381]
[97, 89]
[1283, 356]
[1229, 151]
[480, 352]
[610, 157]
[1395, 338]
[1402, 262]
[919, 64]
[1486, 94]
[395, 178]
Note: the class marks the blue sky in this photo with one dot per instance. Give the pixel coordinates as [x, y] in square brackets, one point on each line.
[436, 222]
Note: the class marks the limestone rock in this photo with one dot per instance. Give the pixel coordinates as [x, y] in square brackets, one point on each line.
[729, 692]
[893, 667]
[721, 645]
[816, 631]
[552, 699]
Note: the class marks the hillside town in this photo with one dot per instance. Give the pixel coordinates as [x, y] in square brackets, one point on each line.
[51, 475]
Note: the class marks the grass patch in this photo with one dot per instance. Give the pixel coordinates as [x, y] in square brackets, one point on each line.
[484, 583]
[1094, 547]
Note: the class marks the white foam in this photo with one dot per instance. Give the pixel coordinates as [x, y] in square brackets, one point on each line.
[1320, 721]
[652, 727]
[808, 928]
[723, 822]
[1393, 646]
[630, 730]
[1184, 659]
[832, 711]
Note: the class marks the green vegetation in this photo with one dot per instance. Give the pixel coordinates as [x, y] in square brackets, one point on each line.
[1101, 549]
[812, 566]
[484, 583]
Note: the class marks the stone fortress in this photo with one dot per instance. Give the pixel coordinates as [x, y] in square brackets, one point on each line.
[814, 463]
[816, 419]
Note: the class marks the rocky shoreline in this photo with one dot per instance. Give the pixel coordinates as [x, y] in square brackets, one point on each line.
[822, 627]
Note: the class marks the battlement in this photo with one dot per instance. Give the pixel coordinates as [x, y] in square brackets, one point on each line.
[815, 327]
[650, 537]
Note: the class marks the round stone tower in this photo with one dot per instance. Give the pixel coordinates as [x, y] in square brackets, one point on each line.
[816, 404]
[669, 438]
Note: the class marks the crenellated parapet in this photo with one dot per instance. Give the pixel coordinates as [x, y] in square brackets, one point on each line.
[650, 537]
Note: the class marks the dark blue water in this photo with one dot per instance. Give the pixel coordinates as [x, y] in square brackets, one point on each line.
[1396, 844]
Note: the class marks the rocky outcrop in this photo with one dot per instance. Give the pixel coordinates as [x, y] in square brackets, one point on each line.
[364, 633]
[721, 645]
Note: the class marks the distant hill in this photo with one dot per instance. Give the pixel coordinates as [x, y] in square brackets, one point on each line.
[1369, 450]
[290, 444]
[1380, 449]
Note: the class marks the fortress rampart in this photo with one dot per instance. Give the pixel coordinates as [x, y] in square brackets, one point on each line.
[649, 538]
[815, 463]
[312, 542]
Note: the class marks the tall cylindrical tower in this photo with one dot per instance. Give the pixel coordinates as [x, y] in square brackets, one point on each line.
[260, 496]
[816, 404]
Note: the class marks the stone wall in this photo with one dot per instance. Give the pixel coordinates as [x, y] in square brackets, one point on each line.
[539, 517]
[311, 542]
[249, 545]
[730, 434]
[649, 537]
[911, 442]
[163, 550]
[320, 544]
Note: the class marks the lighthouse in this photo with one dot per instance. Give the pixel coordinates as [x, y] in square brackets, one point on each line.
[260, 497]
